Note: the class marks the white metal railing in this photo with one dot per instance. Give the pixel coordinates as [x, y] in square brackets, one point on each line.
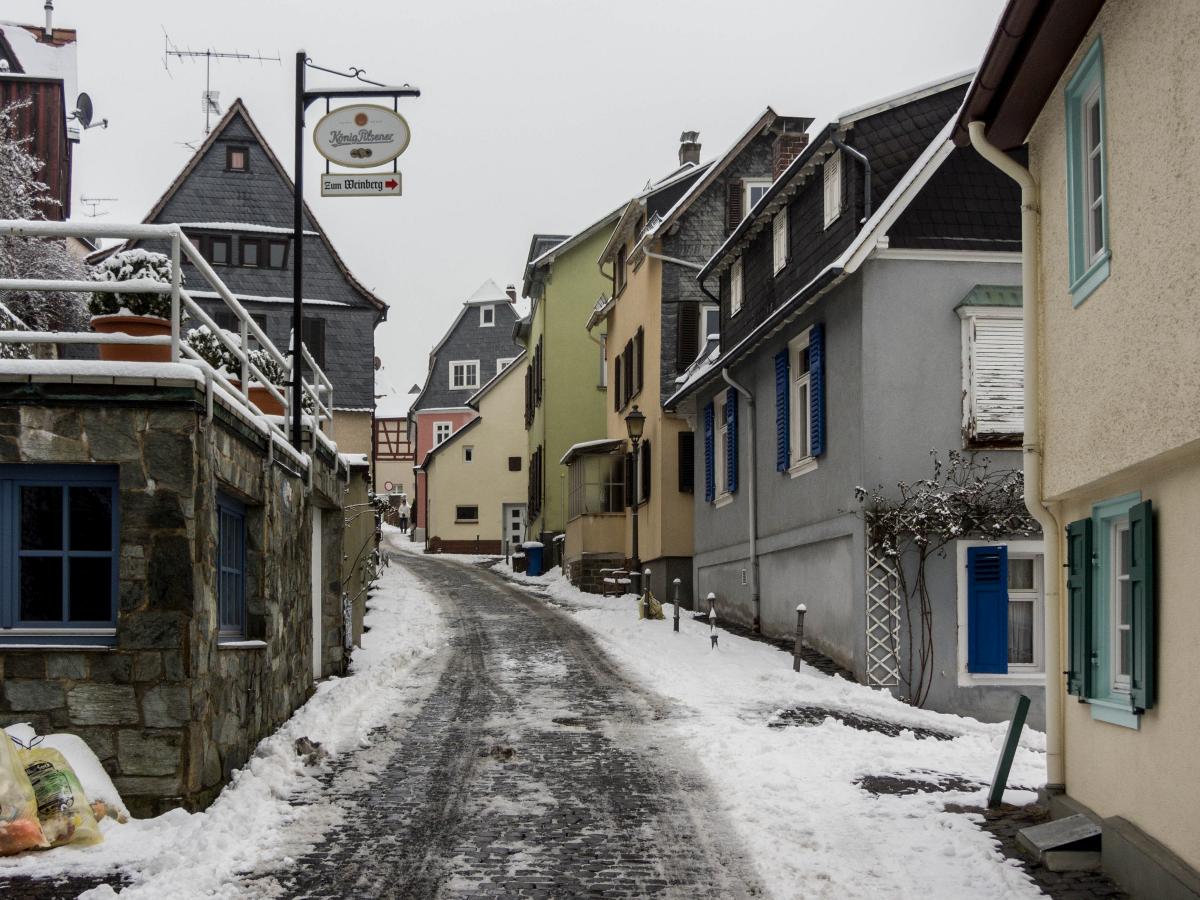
[317, 388]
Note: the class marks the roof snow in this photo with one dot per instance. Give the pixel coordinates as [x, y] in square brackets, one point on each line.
[488, 292]
[242, 226]
[257, 298]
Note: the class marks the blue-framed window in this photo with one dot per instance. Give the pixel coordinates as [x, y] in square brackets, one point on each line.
[1087, 176]
[1111, 609]
[231, 567]
[59, 544]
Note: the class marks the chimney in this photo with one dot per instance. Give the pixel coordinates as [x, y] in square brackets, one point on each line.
[511, 290]
[49, 20]
[785, 148]
[689, 148]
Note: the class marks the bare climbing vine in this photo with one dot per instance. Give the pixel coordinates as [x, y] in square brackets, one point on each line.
[964, 498]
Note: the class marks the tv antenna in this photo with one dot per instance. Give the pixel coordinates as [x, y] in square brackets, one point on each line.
[210, 98]
[94, 204]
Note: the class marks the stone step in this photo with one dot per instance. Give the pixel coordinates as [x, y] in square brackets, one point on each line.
[1071, 841]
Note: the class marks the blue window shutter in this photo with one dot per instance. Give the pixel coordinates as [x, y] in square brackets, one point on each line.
[816, 377]
[987, 609]
[1079, 608]
[731, 440]
[710, 481]
[1142, 686]
[782, 411]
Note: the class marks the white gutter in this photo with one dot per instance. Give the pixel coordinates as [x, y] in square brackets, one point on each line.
[753, 497]
[1045, 513]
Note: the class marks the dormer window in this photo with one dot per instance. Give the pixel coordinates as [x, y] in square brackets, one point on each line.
[251, 251]
[237, 159]
[487, 316]
[753, 190]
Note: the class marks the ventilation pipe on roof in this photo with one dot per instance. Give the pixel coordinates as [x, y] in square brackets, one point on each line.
[858, 154]
[1046, 514]
[752, 487]
[49, 19]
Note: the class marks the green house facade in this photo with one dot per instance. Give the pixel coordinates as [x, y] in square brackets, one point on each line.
[565, 384]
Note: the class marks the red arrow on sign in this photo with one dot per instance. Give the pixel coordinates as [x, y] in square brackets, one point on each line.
[391, 184]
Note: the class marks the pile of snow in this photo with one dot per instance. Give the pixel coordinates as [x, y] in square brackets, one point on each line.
[183, 855]
[790, 792]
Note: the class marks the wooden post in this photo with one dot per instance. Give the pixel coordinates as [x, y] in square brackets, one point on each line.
[996, 794]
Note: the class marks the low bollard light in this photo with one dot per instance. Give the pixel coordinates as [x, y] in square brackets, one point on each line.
[800, 611]
[645, 593]
[677, 582]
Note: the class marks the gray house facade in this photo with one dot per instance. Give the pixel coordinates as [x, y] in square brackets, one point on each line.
[859, 334]
[234, 201]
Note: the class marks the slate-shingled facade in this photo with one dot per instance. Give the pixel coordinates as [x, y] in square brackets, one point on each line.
[852, 342]
[216, 203]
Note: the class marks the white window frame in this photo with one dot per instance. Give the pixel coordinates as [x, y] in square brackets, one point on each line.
[706, 310]
[487, 316]
[468, 383]
[438, 427]
[1120, 681]
[799, 413]
[1093, 192]
[503, 362]
[970, 411]
[748, 187]
[459, 506]
[779, 240]
[468, 454]
[737, 275]
[1017, 674]
[832, 180]
[720, 443]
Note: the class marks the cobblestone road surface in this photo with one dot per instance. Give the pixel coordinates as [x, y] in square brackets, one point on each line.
[533, 769]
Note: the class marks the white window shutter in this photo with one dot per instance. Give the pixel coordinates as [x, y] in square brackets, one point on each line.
[735, 287]
[779, 237]
[997, 377]
[833, 188]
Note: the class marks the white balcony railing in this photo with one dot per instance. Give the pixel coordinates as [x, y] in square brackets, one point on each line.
[317, 388]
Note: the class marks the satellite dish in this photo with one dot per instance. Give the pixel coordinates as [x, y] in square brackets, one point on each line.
[83, 110]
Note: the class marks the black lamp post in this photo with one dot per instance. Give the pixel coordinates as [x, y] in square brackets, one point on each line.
[635, 423]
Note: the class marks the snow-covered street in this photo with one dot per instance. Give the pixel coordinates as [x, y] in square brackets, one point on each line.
[500, 735]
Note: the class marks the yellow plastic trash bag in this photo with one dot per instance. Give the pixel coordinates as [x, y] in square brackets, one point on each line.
[649, 607]
[19, 825]
[62, 807]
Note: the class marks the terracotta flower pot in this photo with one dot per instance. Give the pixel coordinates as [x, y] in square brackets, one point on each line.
[263, 399]
[141, 326]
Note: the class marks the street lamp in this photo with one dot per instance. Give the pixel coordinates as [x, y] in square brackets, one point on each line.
[635, 423]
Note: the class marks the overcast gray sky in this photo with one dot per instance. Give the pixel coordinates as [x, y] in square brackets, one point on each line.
[536, 115]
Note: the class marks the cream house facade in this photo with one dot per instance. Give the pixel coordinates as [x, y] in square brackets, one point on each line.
[1113, 153]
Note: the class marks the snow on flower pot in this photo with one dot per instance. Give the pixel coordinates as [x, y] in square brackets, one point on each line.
[139, 326]
[142, 315]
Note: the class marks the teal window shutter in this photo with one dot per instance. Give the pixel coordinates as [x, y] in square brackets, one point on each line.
[1142, 687]
[987, 609]
[782, 412]
[710, 481]
[816, 378]
[1080, 592]
[731, 440]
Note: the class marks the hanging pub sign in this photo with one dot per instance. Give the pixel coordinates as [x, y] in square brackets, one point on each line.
[361, 136]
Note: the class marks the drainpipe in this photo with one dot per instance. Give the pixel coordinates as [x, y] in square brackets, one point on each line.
[673, 259]
[753, 497]
[1044, 513]
[866, 163]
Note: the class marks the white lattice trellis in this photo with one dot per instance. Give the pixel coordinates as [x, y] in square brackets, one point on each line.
[883, 620]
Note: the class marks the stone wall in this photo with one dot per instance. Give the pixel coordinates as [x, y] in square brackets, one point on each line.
[169, 709]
